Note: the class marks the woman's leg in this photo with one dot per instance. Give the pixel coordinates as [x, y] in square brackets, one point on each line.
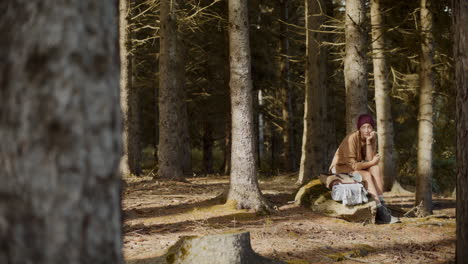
[375, 172]
[369, 184]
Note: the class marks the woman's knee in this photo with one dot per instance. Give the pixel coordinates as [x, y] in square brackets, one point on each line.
[375, 171]
[365, 175]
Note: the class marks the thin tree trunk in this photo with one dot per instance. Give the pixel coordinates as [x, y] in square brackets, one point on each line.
[129, 99]
[288, 158]
[460, 13]
[355, 62]
[226, 168]
[382, 99]
[125, 79]
[244, 191]
[208, 146]
[133, 116]
[184, 121]
[331, 115]
[315, 95]
[171, 158]
[60, 126]
[274, 149]
[425, 130]
[156, 110]
[261, 128]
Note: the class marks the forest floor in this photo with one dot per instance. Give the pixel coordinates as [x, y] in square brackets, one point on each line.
[158, 213]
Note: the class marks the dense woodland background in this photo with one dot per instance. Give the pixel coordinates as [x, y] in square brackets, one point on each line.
[278, 46]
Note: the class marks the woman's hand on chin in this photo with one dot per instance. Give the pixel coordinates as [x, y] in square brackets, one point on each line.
[370, 137]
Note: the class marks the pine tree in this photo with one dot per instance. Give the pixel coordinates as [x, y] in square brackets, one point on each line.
[425, 129]
[244, 191]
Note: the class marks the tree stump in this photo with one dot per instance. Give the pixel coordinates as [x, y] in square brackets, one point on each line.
[229, 248]
[316, 196]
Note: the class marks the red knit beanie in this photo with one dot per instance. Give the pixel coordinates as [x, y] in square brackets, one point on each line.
[365, 119]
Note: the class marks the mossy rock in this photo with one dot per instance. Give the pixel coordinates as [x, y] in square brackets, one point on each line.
[310, 192]
[317, 197]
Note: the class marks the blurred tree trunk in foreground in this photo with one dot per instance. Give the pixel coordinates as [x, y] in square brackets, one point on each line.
[425, 129]
[460, 13]
[60, 126]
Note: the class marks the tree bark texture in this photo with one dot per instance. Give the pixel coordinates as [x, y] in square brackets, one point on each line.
[288, 157]
[331, 116]
[228, 248]
[244, 189]
[129, 99]
[425, 129]
[314, 133]
[172, 110]
[382, 98]
[460, 13]
[184, 122]
[355, 62]
[60, 126]
[226, 167]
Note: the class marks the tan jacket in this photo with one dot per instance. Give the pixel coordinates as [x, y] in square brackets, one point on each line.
[351, 153]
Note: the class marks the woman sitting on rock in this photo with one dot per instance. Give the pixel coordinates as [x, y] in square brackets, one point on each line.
[357, 154]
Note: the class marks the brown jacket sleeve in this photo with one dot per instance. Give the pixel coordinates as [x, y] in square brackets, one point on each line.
[355, 158]
[348, 157]
[353, 155]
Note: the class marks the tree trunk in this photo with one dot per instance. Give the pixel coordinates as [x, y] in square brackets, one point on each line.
[274, 149]
[229, 248]
[129, 99]
[244, 191]
[355, 63]
[156, 111]
[226, 167]
[60, 126]
[425, 129]
[184, 123]
[261, 128]
[331, 116]
[382, 99]
[288, 158]
[313, 136]
[208, 147]
[171, 157]
[460, 13]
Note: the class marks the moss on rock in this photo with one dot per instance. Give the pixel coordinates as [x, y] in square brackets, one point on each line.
[310, 192]
[316, 196]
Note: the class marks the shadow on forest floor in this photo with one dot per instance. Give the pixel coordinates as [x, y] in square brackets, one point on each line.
[158, 213]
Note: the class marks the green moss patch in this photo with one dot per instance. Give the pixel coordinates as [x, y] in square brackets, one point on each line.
[310, 192]
[360, 250]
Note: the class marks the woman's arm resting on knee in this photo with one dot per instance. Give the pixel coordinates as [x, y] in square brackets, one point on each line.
[363, 165]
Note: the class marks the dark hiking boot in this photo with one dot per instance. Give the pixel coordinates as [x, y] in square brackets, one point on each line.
[384, 216]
